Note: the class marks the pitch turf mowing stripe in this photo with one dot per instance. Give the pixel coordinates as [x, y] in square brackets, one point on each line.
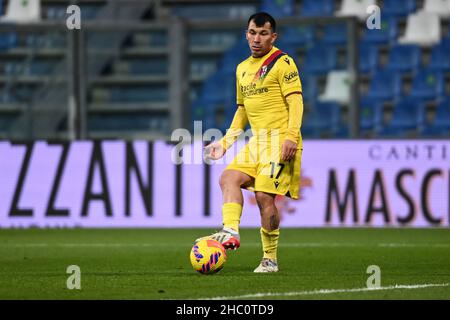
[327, 291]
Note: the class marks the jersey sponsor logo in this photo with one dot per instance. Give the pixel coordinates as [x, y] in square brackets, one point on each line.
[287, 61]
[251, 90]
[291, 76]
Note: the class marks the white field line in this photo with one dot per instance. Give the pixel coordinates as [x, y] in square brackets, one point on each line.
[326, 291]
[248, 244]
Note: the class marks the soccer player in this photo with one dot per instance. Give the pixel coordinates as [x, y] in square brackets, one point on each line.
[269, 97]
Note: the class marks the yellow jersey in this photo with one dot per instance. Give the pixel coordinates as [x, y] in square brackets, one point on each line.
[262, 85]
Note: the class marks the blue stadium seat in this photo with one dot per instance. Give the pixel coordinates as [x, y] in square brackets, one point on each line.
[203, 110]
[41, 67]
[209, 37]
[335, 34]
[214, 113]
[440, 125]
[279, 8]
[408, 116]
[368, 57]
[320, 59]
[440, 57]
[139, 121]
[398, 8]
[8, 40]
[219, 87]
[317, 8]
[235, 55]
[387, 34]
[322, 120]
[385, 85]
[371, 114]
[139, 94]
[148, 66]
[404, 58]
[297, 35]
[217, 102]
[427, 84]
[290, 49]
[309, 87]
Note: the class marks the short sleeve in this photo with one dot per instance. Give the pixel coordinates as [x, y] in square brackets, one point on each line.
[288, 76]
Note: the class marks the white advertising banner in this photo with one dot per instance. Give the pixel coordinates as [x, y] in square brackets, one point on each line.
[140, 184]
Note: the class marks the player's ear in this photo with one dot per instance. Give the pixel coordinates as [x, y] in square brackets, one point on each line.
[274, 37]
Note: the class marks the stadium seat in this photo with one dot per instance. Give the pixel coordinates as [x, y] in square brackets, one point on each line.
[386, 35]
[139, 94]
[356, 8]
[440, 57]
[427, 84]
[235, 55]
[440, 124]
[337, 88]
[8, 40]
[212, 9]
[322, 120]
[154, 38]
[219, 87]
[398, 8]
[408, 116]
[385, 85]
[317, 8]
[309, 87]
[371, 114]
[143, 66]
[302, 35]
[290, 49]
[278, 9]
[335, 34]
[423, 29]
[439, 7]
[368, 58]
[320, 59]
[20, 11]
[404, 58]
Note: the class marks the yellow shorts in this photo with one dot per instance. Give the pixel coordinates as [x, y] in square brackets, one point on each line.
[261, 160]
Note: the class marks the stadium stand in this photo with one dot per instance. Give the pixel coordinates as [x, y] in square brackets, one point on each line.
[130, 88]
[407, 119]
[439, 125]
[317, 8]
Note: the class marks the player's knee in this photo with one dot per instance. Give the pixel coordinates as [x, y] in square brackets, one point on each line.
[227, 179]
[265, 201]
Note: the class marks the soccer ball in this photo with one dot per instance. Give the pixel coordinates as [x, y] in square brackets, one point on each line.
[208, 256]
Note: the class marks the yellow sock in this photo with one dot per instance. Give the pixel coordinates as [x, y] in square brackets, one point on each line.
[231, 214]
[269, 241]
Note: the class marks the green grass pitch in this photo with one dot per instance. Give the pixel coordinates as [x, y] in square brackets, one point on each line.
[328, 263]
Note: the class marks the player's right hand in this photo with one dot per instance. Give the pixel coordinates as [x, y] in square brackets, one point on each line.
[214, 151]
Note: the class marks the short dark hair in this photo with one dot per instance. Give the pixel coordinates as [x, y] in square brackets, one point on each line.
[260, 19]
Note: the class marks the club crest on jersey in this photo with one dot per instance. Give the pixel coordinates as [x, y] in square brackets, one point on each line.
[263, 72]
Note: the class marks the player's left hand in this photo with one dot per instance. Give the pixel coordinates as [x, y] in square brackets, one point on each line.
[288, 150]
